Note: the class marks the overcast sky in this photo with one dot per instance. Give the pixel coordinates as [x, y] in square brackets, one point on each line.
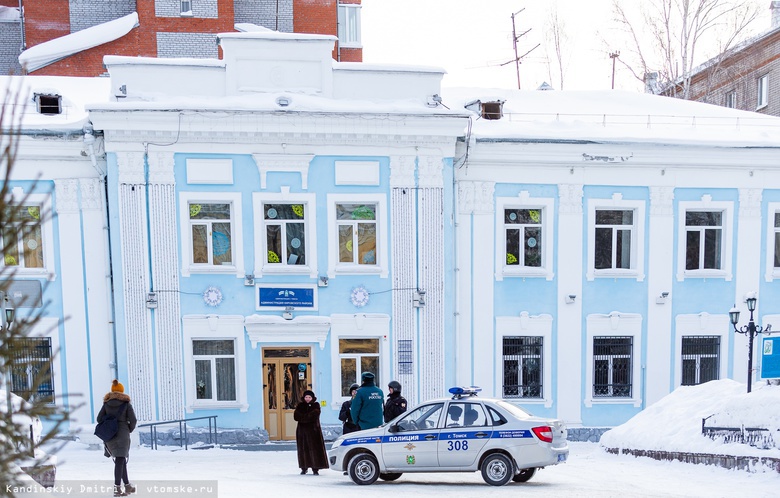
[472, 38]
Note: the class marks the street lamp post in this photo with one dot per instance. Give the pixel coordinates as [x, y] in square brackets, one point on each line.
[5, 325]
[751, 329]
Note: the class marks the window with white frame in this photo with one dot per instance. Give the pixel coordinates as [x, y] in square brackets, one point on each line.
[731, 99]
[211, 233]
[616, 241]
[703, 240]
[700, 359]
[349, 25]
[285, 233]
[355, 357]
[357, 241]
[21, 237]
[614, 232]
[523, 366]
[772, 241]
[26, 234]
[613, 369]
[214, 366]
[524, 243]
[524, 355]
[186, 7]
[762, 91]
[525, 232]
[215, 369]
[358, 345]
[776, 239]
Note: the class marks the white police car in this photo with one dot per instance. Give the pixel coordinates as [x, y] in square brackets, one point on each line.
[461, 434]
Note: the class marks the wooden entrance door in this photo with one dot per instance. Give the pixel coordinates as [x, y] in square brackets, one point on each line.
[286, 374]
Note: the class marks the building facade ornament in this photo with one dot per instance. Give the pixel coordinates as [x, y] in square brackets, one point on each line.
[91, 196]
[431, 171]
[130, 166]
[661, 201]
[476, 197]
[750, 202]
[569, 198]
[67, 192]
[283, 163]
[402, 171]
[161, 168]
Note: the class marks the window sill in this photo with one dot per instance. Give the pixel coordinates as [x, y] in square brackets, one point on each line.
[224, 269]
[529, 401]
[719, 274]
[277, 269]
[772, 274]
[358, 270]
[216, 405]
[614, 273]
[527, 272]
[30, 272]
[762, 106]
[589, 402]
[351, 44]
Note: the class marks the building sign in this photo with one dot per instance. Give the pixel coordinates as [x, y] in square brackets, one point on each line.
[280, 297]
[770, 358]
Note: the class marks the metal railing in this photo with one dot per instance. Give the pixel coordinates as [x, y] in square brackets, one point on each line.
[758, 437]
[183, 437]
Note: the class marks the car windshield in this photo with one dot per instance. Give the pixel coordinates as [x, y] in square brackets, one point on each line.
[515, 410]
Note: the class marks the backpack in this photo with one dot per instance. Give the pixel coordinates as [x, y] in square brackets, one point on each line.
[107, 429]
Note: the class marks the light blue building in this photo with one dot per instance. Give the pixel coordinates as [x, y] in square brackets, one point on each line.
[282, 224]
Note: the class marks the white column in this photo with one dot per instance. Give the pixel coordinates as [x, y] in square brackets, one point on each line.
[463, 239]
[165, 274]
[660, 276]
[480, 196]
[98, 291]
[133, 252]
[430, 264]
[748, 276]
[569, 330]
[403, 249]
[73, 303]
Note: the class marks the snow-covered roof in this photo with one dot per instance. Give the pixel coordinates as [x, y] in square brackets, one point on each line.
[9, 13]
[51, 51]
[76, 93]
[613, 116]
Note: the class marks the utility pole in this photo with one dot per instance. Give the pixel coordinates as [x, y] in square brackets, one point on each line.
[516, 37]
[614, 55]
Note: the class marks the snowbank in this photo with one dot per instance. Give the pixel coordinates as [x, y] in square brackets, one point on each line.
[674, 422]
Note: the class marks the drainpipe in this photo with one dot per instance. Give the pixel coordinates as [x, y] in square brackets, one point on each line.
[21, 25]
[338, 42]
[89, 142]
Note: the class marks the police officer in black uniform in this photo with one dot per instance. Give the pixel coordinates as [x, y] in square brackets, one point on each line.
[396, 404]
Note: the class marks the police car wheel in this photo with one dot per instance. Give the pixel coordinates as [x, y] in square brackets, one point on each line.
[363, 469]
[497, 469]
[524, 475]
[391, 476]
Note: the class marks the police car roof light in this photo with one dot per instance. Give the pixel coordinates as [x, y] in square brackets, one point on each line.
[459, 391]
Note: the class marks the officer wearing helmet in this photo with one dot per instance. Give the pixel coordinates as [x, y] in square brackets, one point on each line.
[396, 404]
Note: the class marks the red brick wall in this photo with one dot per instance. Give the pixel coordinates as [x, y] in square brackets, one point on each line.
[315, 16]
[9, 3]
[46, 20]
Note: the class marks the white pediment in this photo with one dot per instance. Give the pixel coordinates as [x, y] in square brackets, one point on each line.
[273, 328]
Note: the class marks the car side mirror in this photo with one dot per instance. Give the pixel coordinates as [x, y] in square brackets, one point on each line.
[393, 428]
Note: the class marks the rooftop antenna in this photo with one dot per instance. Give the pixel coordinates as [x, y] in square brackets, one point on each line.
[516, 37]
[614, 55]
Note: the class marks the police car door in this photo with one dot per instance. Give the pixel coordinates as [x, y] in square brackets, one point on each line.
[410, 443]
[464, 433]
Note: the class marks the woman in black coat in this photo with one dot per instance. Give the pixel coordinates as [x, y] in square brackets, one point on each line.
[345, 414]
[308, 435]
[117, 403]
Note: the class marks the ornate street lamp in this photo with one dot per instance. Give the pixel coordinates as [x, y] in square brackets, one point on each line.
[751, 329]
[5, 325]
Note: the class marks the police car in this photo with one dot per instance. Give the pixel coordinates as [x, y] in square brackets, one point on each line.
[459, 434]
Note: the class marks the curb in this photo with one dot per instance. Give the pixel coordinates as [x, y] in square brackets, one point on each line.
[747, 463]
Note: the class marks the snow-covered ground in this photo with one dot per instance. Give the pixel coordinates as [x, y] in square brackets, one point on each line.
[674, 423]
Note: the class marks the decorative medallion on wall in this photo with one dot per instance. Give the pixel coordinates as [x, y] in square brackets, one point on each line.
[359, 296]
[212, 296]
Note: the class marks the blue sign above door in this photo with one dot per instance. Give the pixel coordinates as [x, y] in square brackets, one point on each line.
[271, 296]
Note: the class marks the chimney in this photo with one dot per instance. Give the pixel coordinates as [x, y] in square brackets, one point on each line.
[651, 81]
[775, 8]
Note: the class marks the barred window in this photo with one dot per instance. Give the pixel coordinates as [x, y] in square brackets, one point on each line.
[522, 363]
[31, 373]
[612, 365]
[405, 357]
[700, 359]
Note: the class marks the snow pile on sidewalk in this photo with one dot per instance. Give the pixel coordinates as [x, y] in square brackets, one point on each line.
[674, 423]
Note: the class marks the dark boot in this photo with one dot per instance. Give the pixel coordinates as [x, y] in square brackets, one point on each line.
[129, 489]
[118, 491]
[303, 471]
[315, 472]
